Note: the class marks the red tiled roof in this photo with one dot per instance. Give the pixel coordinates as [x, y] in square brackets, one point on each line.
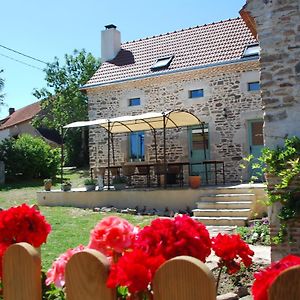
[194, 47]
[21, 115]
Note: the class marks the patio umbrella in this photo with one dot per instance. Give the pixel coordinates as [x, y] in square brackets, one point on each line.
[143, 122]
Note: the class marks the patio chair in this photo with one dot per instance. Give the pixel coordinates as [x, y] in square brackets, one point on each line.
[159, 170]
[144, 171]
[177, 172]
[128, 171]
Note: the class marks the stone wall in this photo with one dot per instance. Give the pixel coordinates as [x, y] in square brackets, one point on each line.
[224, 88]
[278, 27]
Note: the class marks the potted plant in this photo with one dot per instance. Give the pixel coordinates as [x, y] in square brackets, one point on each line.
[119, 182]
[195, 180]
[47, 184]
[90, 184]
[66, 186]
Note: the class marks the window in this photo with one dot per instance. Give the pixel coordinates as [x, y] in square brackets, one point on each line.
[251, 50]
[196, 93]
[134, 101]
[137, 146]
[253, 86]
[162, 63]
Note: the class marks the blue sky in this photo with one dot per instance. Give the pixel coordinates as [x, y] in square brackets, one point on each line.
[45, 29]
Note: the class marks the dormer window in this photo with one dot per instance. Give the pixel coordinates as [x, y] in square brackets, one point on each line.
[251, 50]
[162, 63]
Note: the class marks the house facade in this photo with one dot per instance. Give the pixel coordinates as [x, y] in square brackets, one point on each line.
[18, 122]
[211, 71]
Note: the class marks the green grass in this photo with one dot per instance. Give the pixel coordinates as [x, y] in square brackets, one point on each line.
[70, 226]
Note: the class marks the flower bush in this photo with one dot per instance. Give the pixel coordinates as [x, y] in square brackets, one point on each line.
[135, 254]
[22, 224]
[265, 278]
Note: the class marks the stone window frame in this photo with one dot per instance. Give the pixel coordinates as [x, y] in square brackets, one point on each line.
[130, 102]
[132, 94]
[190, 93]
[255, 84]
[198, 84]
[248, 77]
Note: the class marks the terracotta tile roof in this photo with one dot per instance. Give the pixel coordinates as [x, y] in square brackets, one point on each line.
[21, 115]
[194, 47]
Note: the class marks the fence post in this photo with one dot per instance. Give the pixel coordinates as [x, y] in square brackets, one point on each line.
[22, 273]
[86, 275]
[286, 285]
[184, 278]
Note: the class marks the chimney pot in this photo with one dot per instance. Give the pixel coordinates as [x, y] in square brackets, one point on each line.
[11, 110]
[110, 42]
[110, 26]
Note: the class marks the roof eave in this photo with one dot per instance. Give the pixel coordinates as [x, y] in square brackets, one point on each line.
[219, 64]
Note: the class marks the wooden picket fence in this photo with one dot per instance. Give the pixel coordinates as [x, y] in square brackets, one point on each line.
[181, 278]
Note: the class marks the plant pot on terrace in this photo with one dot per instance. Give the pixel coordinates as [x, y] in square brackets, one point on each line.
[47, 184]
[90, 184]
[66, 186]
[194, 180]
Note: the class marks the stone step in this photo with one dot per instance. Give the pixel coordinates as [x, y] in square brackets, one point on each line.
[223, 204]
[221, 212]
[228, 197]
[222, 221]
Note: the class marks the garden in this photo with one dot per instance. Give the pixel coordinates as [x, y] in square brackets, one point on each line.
[138, 246]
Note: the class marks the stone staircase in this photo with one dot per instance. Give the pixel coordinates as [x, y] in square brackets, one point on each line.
[227, 207]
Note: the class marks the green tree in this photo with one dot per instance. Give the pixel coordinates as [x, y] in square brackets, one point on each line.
[62, 101]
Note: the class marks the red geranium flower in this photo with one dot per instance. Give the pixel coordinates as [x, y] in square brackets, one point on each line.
[23, 224]
[112, 234]
[232, 250]
[56, 274]
[173, 237]
[134, 270]
[265, 278]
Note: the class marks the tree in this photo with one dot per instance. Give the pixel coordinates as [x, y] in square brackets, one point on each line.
[1, 87]
[63, 102]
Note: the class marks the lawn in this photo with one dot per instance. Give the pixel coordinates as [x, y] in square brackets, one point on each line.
[70, 226]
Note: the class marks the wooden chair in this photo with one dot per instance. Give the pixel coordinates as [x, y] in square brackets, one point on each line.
[144, 171]
[128, 171]
[177, 171]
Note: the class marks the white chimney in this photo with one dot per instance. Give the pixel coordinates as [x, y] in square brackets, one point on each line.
[110, 42]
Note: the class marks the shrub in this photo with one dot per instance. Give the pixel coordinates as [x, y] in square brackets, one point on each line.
[29, 156]
[90, 181]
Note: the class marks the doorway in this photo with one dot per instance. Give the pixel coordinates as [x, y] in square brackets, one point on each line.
[256, 144]
[199, 149]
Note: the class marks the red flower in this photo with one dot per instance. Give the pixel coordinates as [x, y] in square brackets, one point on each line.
[23, 224]
[56, 274]
[173, 237]
[112, 234]
[265, 278]
[232, 250]
[134, 270]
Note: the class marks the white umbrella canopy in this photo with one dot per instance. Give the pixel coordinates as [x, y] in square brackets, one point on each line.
[143, 122]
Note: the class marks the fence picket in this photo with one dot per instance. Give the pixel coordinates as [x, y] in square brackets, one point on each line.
[86, 275]
[184, 278]
[286, 285]
[22, 273]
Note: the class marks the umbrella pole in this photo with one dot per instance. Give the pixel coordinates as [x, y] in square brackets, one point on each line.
[204, 141]
[113, 149]
[155, 144]
[108, 157]
[165, 158]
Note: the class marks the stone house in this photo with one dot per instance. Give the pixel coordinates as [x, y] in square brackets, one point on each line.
[18, 122]
[211, 71]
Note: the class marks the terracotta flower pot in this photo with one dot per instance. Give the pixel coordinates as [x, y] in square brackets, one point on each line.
[195, 181]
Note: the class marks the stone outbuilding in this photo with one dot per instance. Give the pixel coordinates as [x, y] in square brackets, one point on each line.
[211, 71]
